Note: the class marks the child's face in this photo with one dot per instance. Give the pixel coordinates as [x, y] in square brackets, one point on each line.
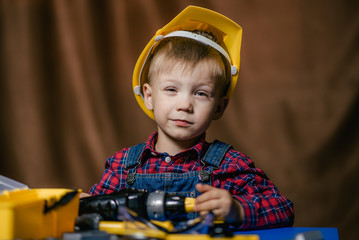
[184, 102]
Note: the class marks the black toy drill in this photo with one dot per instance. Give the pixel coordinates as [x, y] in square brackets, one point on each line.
[156, 205]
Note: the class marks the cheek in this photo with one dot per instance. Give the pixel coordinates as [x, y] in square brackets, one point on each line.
[205, 113]
[161, 105]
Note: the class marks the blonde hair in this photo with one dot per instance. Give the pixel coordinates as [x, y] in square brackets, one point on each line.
[184, 54]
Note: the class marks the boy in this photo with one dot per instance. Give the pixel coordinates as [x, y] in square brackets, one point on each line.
[183, 80]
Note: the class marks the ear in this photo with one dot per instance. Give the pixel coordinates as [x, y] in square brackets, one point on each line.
[221, 106]
[147, 96]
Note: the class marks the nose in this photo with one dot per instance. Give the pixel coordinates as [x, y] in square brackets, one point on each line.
[185, 103]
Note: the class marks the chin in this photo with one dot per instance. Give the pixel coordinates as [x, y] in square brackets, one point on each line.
[182, 137]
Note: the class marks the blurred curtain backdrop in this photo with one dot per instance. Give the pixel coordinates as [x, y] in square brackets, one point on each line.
[66, 101]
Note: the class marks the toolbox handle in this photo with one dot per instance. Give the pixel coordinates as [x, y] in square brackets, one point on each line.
[63, 201]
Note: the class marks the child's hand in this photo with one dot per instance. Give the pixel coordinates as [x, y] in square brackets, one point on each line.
[83, 195]
[220, 202]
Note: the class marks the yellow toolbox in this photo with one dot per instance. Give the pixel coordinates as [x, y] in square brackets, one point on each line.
[37, 213]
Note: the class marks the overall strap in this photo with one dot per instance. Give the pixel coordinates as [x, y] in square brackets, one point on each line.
[134, 155]
[132, 160]
[212, 159]
[215, 153]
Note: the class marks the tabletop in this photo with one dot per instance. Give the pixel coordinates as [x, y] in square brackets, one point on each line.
[295, 233]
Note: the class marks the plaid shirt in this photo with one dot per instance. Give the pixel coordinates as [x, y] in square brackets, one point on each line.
[263, 205]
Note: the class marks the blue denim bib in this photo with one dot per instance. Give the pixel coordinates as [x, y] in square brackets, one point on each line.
[179, 183]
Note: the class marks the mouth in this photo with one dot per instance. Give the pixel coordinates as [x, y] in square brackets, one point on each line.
[181, 122]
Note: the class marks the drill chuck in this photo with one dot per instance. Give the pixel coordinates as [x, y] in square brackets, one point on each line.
[162, 206]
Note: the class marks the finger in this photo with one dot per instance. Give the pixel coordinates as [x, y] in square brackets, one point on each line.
[210, 193]
[203, 213]
[219, 207]
[208, 205]
[204, 197]
[216, 208]
[83, 195]
[203, 187]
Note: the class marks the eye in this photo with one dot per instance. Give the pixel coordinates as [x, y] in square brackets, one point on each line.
[170, 89]
[202, 93]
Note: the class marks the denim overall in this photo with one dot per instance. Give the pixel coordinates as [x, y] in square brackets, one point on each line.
[179, 183]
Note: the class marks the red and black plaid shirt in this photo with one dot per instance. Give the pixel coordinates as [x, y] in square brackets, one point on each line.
[263, 205]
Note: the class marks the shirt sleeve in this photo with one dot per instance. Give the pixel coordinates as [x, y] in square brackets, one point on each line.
[263, 205]
[114, 176]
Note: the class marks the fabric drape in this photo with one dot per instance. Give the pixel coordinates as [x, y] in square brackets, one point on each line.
[66, 101]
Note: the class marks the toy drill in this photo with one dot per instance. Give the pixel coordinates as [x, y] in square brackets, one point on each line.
[150, 215]
[156, 205]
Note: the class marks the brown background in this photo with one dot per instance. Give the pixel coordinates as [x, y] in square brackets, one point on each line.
[66, 102]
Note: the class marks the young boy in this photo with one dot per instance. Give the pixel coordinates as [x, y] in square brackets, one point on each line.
[183, 80]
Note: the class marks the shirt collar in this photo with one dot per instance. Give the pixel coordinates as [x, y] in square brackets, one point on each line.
[196, 149]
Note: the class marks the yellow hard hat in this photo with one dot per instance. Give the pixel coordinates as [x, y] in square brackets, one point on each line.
[227, 32]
